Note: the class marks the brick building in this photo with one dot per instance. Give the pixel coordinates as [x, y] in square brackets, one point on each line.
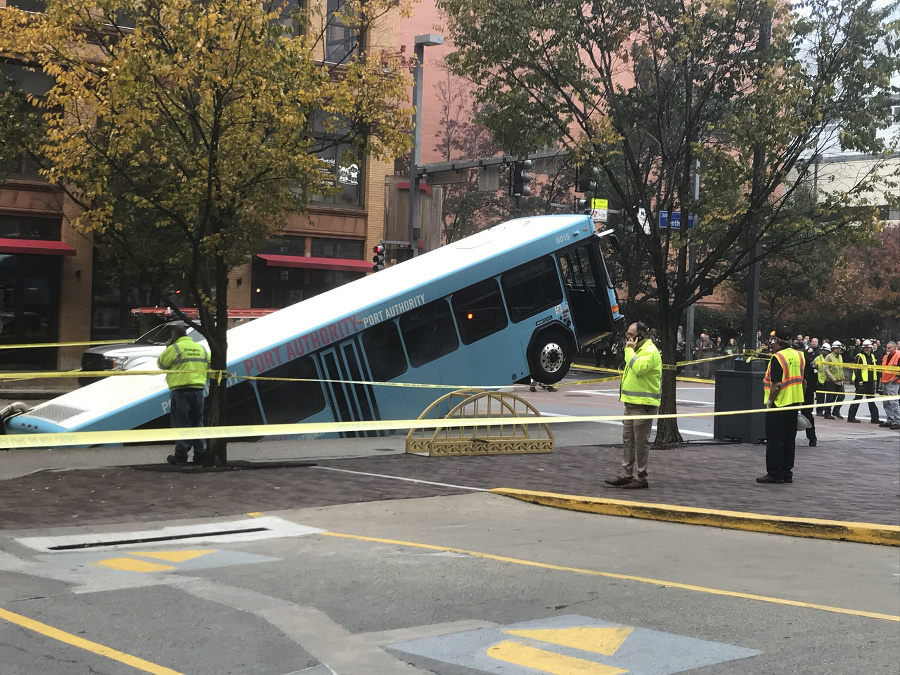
[53, 290]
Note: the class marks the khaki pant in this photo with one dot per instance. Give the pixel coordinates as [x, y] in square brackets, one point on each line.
[636, 440]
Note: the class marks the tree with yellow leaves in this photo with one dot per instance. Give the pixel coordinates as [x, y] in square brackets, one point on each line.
[194, 128]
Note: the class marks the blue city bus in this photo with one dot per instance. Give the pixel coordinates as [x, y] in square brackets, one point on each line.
[508, 304]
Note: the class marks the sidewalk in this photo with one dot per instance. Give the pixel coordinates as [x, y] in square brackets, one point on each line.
[843, 480]
[13, 389]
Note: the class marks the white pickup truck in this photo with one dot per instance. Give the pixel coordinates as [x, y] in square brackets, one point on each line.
[137, 355]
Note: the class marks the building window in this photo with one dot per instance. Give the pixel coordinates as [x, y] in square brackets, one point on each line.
[28, 227]
[28, 5]
[276, 287]
[346, 174]
[338, 248]
[340, 40]
[286, 245]
[29, 310]
[288, 15]
[18, 82]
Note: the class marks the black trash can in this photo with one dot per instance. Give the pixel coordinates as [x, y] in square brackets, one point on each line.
[740, 390]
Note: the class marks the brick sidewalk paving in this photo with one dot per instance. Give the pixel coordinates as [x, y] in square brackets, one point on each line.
[840, 480]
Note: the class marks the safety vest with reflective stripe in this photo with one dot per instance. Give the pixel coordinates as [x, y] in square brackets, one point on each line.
[187, 363]
[793, 363]
[865, 374]
[834, 368]
[642, 380]
[820, 368]
[894, 360]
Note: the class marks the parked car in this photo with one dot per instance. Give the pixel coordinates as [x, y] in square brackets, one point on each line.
[140, 354]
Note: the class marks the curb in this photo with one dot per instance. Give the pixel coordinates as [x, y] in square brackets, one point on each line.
[836, 530]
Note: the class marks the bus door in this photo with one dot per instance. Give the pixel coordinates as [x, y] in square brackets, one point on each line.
[350, 402]
[585, 278]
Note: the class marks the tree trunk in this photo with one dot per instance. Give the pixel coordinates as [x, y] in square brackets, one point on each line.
[667, 429]
[218, 390]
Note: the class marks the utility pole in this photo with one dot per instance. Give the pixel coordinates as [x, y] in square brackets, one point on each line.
[415, 155]
[751, 324]
[692, 264]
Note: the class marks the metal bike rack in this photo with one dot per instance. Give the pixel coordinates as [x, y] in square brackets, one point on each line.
[523, 434]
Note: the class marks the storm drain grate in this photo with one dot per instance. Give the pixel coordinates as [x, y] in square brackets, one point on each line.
[144, 540]
[255, 528]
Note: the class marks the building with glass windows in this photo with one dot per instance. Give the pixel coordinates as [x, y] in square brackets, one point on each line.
[54, 288]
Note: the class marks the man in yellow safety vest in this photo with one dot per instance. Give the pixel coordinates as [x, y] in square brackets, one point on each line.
[835, 374]
[820, 371]
[783, 385]
[186, 363]
[864, 377]
[640, 390]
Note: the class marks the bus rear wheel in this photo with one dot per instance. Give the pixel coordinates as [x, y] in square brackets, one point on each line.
[551, 356]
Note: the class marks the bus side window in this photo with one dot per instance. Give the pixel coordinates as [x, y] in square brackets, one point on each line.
[479, 310]
[384, 351]
[288, 402]
[428, 332]
[531, 288]
[243, 406]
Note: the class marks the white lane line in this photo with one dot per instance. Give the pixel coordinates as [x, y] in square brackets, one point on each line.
[409, 480]
[618, 424]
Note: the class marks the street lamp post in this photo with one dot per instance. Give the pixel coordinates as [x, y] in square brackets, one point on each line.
[415, 155]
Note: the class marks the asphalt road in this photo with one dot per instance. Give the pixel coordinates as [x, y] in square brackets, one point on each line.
[435, 585]
[458, 583]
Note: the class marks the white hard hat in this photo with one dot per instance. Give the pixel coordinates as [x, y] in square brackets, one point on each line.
[836, 343]
[826, 346]
[867, 343]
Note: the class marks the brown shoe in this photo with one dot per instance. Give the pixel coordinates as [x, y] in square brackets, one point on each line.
[619, 482]
[637, 484]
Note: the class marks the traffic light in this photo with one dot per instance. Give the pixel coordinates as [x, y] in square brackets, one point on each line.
[520, 177]
[378, 258]
[585, 181]
[580, 206]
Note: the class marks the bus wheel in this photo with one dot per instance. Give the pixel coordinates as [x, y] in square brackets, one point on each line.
[551, 357]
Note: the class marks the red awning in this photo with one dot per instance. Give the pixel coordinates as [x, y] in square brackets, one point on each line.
[342, 264]
[35, 247]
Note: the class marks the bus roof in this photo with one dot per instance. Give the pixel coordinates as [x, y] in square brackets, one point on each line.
[394, 282]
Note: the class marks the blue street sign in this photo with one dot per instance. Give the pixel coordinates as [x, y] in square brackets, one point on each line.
[676, 220]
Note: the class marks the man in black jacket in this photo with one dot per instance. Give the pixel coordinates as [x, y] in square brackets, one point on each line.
[863, 378]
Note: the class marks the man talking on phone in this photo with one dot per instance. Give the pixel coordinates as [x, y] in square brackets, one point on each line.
[186, 363]
[640, 392]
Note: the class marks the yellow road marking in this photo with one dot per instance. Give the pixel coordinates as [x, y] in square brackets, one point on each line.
[255, 514]
[87, 645]
[130, 565]
[171, 556]
[548, 662]
[627, 577]
[586, 638]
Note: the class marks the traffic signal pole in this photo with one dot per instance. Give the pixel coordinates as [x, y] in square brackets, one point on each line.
[415, 155]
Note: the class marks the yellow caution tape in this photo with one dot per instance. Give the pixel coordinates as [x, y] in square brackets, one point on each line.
[67, 344]
[315, 429]
[219, 375]
[596, 369]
